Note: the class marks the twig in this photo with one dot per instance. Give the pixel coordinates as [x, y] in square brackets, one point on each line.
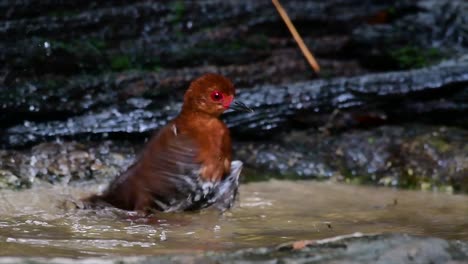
[310, 58]
[325, 129]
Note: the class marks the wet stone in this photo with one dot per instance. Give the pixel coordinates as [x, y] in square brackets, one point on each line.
[65, 162]
[411, 156]
[9, 181]
[411, 34]
[432, 95]
[385, 249]
[50, 74]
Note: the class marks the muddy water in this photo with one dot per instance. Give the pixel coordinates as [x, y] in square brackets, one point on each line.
[36, 222]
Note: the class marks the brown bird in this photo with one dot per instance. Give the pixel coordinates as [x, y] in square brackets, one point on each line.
[188, 164]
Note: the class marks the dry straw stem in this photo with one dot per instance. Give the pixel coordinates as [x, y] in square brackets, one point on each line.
[310, 58]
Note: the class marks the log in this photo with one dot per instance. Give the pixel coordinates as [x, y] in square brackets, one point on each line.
[57, 38]
[436, 94]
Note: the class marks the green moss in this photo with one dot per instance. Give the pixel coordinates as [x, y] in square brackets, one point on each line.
[326, 74]
[77, 48]
[233, 46]
[178, 10]
[409, 180]
[51, 83]
[355, 180]
[157, 68]
[153, 65]
[446, 188]
[256, 175]
[425, 185]
[461, 185]
[62, 13]
[409, 57]
[66, 46]
[120, 62]
[441, 145]
[98, 44]
[386, 181]
[141, 62]
[391, 10]
[259, 42]
[179, 34]
[10, 181]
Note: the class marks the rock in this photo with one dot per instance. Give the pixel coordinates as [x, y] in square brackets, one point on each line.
[413, 34]
[63, 163]
[60, 97]
[79, 57]
[79, 72]
[410, 156]
[90, 38]
[434, 95]
[437, 158]
[419, 157]
[8, 180]
[359, 248]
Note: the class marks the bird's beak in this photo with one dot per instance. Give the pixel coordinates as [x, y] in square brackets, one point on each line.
[238, 106]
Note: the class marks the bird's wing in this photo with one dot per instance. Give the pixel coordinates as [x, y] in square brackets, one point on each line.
[175, 179]
[226, 191]
[175, 183]
[173, 155]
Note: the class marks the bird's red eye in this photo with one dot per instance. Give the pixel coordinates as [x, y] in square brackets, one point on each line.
[216, 96]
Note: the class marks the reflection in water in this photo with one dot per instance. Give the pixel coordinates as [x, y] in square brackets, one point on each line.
[36, 222]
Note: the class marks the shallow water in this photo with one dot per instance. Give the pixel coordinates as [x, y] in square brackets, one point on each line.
[36, 222]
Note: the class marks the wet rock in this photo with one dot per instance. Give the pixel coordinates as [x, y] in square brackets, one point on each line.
[410, 156]
[11, 176]
[282, 160]
[80, 74]
[392, 248]
[60, 68]
[437, 158]
[61, 97]
[63, 163]
[78, 59]
[420, 157]
[413, 34]
[68, 39]
[64, 59]
[9, 181]
[433, 95]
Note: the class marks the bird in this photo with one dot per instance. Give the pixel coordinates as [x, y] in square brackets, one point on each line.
[187, 165]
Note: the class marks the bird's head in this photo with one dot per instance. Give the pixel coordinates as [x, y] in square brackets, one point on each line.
[211, 94]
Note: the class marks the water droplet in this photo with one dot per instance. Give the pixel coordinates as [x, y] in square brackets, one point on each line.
[47, 48]
[163, 236]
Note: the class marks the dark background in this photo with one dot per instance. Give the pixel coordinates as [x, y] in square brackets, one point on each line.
[389, 106]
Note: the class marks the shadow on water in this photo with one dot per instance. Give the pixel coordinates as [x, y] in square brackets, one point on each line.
[36, 222]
